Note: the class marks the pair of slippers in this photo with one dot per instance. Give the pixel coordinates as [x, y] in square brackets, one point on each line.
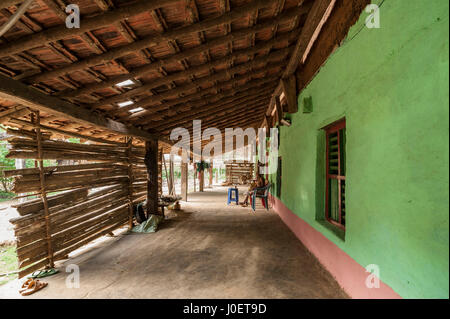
[43, 273]
[31, 286]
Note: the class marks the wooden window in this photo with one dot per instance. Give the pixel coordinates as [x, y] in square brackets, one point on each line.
[335, 174]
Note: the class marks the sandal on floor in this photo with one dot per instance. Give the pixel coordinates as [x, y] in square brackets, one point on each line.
[34, 286]
[26, 285]
[43, 273]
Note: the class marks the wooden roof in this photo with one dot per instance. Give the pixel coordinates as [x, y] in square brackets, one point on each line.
[215, 60]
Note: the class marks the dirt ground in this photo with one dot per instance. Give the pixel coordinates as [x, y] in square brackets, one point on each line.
[6, 228]
[207, 250]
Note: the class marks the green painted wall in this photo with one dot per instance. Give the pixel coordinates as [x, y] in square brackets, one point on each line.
[391, 84]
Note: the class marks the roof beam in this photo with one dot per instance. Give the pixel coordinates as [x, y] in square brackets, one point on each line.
[266, 45]
[200, 101]
[209, 108]
[212, 110]
[152, 40]
[9, 3]
[318, 15]
[222, 75]
[140, 71]
[290, 92]
[88, 24]
[21, 94]
[238, 121]
[151, 109]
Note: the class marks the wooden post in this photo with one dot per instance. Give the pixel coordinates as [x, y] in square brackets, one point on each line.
[151, 162]
[290, 91]
[160, 180]
[129, 141]
[195, 178]
[201, 180]
[167, 175]
[210, 182]
[184, 181]
[43, 192]
[279, 109]
[171, 176]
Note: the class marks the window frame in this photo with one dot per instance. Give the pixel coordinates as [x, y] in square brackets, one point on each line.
[330, 129]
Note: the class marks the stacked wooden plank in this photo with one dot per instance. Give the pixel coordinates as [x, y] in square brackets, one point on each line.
[90, 199]
[139, 177]
[235, 169]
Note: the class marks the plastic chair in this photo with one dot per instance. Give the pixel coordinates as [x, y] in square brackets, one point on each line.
[232, 190]
[263, 193]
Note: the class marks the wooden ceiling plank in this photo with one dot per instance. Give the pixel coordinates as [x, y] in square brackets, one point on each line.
[223, 75]
[213, 110]
[212, 90]
[229, 103]
[226, 96]
[9, 3]
[237, 121]
[317, 16]
[225, 93]
[236, 35]
[155, 40]
[199, 69]
[205, 105]
[90, 23]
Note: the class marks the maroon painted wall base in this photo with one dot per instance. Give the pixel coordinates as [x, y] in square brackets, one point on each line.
[350, 275]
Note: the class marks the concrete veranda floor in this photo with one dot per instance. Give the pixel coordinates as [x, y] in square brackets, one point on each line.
[207, 250]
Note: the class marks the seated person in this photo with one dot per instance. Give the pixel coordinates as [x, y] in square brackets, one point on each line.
[259, 183]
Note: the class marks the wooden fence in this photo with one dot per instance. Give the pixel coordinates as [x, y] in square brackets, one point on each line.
[76, 203]
[235, 169]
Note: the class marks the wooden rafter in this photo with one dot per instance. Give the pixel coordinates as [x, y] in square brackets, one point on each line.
[19, 93]
[249, 104]
[235, 103]
[91, 23]
[150, 41]
[138, 72]
[198, 69]
[318, 15]
[225, 74]
[215, 99]
[186, 64]
[8, 3]
[151, 107]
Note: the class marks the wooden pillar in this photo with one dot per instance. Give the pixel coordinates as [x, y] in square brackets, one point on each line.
[210, 182]
[169, 187]
[201, 180]
[129, 141]
[171, 176]
[195, 178]
[160, 180]
[290, 91]
[184, 181]
[37, 119]
[151, 162]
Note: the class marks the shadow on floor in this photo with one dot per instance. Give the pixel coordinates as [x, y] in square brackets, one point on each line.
[207, 250]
